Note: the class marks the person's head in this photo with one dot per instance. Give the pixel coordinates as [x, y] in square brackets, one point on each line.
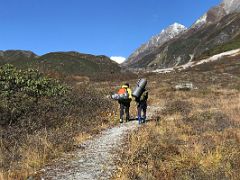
[127, 84]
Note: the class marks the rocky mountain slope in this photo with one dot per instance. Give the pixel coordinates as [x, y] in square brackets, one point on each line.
[231, 6]
[216, 31]
[156, 41]
[73, 63]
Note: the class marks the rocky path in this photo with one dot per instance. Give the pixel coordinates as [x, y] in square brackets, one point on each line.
[97, 157]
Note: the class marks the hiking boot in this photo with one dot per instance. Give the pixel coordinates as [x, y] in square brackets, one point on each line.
[139, 120]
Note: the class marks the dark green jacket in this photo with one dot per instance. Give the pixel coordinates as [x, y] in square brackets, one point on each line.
[143, 97]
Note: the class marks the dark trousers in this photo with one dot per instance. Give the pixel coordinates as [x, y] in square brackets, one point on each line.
[142, 107]
[124, 107]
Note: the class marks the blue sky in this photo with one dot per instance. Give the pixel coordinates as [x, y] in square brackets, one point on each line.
[109, 27]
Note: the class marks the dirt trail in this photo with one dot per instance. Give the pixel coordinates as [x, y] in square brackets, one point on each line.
[98, 157]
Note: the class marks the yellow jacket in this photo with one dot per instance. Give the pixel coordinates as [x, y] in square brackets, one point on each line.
[128, 90]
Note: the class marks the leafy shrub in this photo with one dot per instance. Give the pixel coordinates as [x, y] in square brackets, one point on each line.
[40, 118]
[20, 90]
[30, 82]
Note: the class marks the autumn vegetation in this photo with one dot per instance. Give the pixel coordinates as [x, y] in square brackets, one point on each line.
[193, 135]
[41, 118]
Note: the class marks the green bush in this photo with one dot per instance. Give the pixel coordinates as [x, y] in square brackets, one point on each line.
[40, 118]
[20, 90]
[30, 82]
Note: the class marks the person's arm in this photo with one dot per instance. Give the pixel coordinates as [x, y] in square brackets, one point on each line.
[147, 95]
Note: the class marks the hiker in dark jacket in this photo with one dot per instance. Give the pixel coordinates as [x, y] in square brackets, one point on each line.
[142, 106]
[125, 104]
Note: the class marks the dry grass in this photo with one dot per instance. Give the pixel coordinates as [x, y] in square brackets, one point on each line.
[46, 135]
[197, 137]
[25, 150]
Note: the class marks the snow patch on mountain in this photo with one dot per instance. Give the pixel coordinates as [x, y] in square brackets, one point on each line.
[218, 12]
[165, 35]
[201, 21]
[211, 59]
[177, 28]
[231, 6]
[190, 64]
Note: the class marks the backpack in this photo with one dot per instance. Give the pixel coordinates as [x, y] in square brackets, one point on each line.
[123, 94]
[144, 96]
[122, 91]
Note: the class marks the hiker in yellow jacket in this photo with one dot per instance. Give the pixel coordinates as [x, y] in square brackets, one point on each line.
[125, 104]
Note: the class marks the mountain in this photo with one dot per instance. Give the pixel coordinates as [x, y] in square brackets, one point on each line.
[231, 6]
[69, 63]
[212, 16]
[156, 41]
[218, 12]
[218, 30]
[77, 63]
[17, 57]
